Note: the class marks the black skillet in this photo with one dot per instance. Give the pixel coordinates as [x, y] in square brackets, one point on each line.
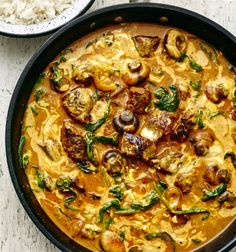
[140, 12]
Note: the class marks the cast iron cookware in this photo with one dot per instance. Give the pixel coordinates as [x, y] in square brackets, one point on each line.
[139, 12]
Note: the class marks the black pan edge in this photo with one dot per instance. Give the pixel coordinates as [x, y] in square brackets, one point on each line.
[40, 34]
[47, 52]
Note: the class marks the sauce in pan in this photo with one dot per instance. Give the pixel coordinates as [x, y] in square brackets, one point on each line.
[128, 140]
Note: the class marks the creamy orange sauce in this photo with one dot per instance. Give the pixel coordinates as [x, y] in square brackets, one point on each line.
[106, 55]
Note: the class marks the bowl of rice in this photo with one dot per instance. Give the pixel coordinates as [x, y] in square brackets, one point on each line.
[31, 18]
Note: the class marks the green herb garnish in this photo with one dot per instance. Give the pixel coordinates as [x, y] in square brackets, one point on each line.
[199, 120]
[20, 150]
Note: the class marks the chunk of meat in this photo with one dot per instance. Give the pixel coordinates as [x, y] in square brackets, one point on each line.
[132, 145]
[185, 180]
[52, 148]
[73, 142]
[202, 140]
[157, 126]
[146, 45]
[138, 100]
[111, 242]
[216, 93]
[78, 103]
[183, 125]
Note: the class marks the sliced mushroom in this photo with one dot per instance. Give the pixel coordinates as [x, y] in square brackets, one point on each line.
[73, 142]
[202, 141]
[52, 149]
[126, 121]
[111, 242]
[175, 43]
[48, 182]
[216, 93]
[78, 103]
[138, 100]
[136, 72]
[173, 195]
[114, 162]
[146, 45]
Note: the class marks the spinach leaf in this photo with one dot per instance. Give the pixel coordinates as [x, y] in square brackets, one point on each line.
[39, 94]
[20, 150]
[34, 110]
[114, 203]
[85, 167]
[150, 199]
[232, 156]
[161, 185]
[199, 119]
[56, 75]
[196, 241]
[40, 179]
[94, 126]
[214, 193]
[108, 222]
[89, 139]
[70, 199]
[166, 101]
[163, 236]
[195, 66]
[193, 210]
[25, 160]
[196, 85]
[64, 184]
[117, 192]
[107, 140]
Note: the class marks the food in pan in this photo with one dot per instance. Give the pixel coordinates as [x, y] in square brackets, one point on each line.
[128, 140]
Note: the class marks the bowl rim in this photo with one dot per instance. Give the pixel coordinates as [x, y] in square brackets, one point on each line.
[31, 62]
[41, 26]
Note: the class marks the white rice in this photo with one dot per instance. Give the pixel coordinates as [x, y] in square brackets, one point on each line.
[31, 11]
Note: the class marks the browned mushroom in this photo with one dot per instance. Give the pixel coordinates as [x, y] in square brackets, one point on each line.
[175, 43]
[216, 93]
[202, 140]
[82, 76]
[136, 72]
[114, 162]
[126, 121]
[146, 45]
